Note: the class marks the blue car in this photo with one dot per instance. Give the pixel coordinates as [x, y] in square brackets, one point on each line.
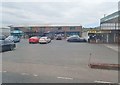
[76, 39]
[6, 45]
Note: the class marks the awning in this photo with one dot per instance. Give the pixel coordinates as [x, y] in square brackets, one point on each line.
[99, 31]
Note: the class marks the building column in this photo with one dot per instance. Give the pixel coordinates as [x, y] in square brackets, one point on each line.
[114, 38]
[107, 38]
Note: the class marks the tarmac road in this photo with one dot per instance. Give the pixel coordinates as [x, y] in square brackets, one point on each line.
[57, 62]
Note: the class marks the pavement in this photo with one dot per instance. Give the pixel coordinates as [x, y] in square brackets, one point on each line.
[114, 47]
[57, 62]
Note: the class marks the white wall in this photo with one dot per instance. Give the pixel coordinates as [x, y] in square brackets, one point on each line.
[5, 31]
[110, 26]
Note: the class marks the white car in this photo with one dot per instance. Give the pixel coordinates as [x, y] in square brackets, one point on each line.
[44, 40]
[10, 38]
[14, 39]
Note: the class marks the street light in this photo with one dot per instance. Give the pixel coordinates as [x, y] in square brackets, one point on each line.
[104, 15]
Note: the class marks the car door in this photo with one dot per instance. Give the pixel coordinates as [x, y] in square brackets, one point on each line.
[7, 45]
[75, 39]
[10, 38]
[1, 45]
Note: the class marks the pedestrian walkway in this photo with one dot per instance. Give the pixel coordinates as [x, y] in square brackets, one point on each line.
[114, 47]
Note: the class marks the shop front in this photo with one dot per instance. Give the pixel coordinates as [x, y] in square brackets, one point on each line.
[104, 36]
[17, 33]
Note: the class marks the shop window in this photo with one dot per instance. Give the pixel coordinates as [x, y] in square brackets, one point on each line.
[16, 28]
[60, 28]
[72, 28]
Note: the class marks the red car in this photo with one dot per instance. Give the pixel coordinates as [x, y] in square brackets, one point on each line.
[34, 40]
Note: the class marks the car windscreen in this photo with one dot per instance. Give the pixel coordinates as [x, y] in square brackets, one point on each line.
[74, 38]
[2, 37]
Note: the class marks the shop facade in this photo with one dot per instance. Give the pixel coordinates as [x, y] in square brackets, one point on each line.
[53, 30]
[109, 31]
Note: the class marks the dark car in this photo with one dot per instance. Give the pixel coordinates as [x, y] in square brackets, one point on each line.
[6, 45]
[59, 37]
[76, 39]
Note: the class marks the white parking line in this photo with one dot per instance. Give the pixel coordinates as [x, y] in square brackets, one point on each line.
[4, 71]
[114, 48]
[65, 78]
[35, 75]
[24, 74]
[102, 82]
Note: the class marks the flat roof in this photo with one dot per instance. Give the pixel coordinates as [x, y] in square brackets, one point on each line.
[46, 25]
[4, 27]
[110, 17]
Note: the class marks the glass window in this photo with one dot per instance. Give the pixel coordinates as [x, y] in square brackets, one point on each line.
[72, 28]
[60, 28]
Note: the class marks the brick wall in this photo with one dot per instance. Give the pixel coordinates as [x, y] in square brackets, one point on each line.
[50, 28]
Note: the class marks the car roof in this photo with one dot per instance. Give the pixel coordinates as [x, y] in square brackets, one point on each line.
[44, 37]
[74, 36]
[10, 36]
[34, 37]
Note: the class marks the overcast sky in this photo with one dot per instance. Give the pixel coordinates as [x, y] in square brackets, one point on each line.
[33, 12]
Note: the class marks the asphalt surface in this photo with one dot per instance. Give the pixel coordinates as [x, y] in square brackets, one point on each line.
[57, 62]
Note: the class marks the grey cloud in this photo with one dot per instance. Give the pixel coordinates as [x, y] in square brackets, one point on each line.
[58, 12]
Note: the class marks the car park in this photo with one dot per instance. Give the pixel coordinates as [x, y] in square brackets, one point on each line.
[44, 40]
[34, 39]
[6, 45]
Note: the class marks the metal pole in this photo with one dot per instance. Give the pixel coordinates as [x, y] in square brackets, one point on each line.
[115, 25]
[90, 58]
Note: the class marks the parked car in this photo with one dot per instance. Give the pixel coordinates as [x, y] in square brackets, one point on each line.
[6, 45]
[34, 39]
[72, 36]
[59, 37]
[76, 39]
[44, 40]
[10, 38]
[14, 39]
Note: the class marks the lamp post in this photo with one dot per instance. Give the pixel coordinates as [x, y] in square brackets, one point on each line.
[104, 15]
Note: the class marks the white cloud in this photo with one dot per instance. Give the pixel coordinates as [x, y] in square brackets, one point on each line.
[84, 12]
[92, 1]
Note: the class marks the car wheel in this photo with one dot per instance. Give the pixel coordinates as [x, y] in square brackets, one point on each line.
[68, 40]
